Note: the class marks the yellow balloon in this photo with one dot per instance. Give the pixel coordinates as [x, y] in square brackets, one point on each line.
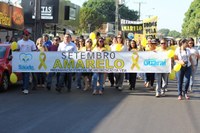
[13, 78]
[92, 35]
[177, 67]
[118, 47]
[170, 53]
[144, 42]
[172, 75]
[13, 45]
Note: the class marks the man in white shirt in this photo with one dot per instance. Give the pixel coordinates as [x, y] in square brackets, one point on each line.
[26, 45]
[66, 46]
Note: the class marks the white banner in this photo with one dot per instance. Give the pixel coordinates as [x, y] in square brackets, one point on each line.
[120, 62]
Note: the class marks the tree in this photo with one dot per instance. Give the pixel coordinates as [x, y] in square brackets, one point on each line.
[164, 32]
[174, 34]
[191, 24]
[97, 12]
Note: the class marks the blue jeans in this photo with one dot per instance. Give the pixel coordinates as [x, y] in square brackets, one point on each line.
[161, 82]
[26, 80]
[50, 77]
[183, 76]
[97, 77]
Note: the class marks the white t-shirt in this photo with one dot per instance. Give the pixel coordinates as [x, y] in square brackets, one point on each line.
[26, 46]
[70, 47]
[194, 53]
[183, 55]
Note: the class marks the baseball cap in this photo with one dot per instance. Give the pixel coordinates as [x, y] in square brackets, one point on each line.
[26, 32]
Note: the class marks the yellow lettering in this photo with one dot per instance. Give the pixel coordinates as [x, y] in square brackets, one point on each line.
[100, 63]
[90, 64]
[57, 63]
[108, 64]
[119, 64]
[80, 64]
[68, 64]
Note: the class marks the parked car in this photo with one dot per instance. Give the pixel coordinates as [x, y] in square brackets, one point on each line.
[6, 66]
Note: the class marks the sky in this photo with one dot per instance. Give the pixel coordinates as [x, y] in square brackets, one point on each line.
[170, 12]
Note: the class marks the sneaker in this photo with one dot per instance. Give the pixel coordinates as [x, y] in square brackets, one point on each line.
[162, 93]
[43, 86]
[78, 87]
[187, 97]
[157, 94]
[120, 88]
[179, 97]
[94, 92]
[100, 92]
[25, 91]
[85, 89]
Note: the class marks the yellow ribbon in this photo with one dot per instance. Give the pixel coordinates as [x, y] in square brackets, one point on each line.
[135, 60]
[42, 59]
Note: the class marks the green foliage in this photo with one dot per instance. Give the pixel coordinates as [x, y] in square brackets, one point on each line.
[97, 12]
[174, 34]
[191, 23]
[167, 32]
[164, 32]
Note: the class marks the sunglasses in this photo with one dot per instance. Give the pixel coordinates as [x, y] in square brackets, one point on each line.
[162, 43]
[89, 41]
[101, 41]
[55, 39]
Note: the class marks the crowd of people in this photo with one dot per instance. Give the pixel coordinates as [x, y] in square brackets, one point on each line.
[185, 54]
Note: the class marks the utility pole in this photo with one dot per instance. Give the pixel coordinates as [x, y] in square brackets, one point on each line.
[38, 23]
[116, 16]
[139, 11]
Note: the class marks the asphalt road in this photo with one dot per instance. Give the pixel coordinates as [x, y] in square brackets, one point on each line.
[137, 111]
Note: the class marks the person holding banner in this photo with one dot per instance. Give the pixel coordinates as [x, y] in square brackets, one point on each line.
[183, 57]
[53, 47]
[120, 46]
[41, 76]
[68, 46]
[26, 45]
[98, 76]
[111, 75]
[87, 76]
[150, 77]
[132, 76]
[161, 77]
[78, 75]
